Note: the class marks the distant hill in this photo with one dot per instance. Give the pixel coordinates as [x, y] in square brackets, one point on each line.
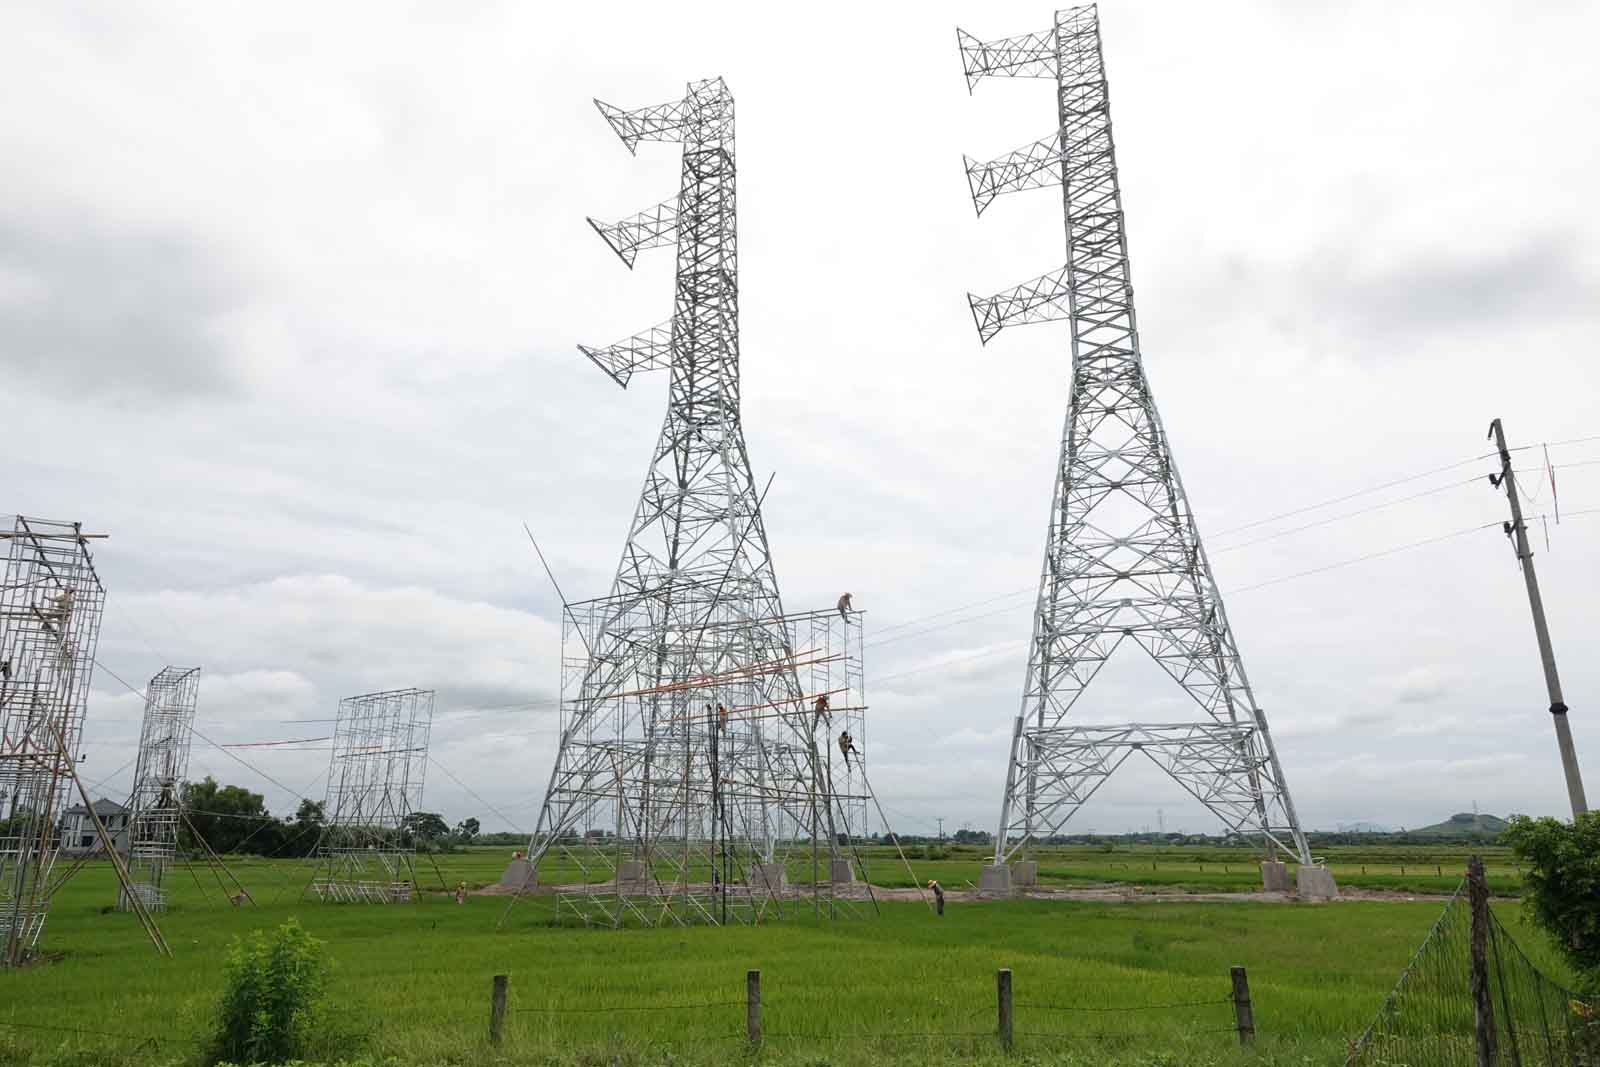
[1463, 824]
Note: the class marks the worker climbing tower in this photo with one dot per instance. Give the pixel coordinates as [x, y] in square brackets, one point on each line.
[1123, 560]
[698, 753]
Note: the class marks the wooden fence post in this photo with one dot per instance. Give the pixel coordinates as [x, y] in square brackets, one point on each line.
[752, 1007]
[1482, 1003]
[1002, 988]
[497, 1009]
[1244, 1017]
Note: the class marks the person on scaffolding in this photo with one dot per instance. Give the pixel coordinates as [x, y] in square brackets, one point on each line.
[722, 717]
[847, 745]
[938, 895]
[844, 607]
[822, 707]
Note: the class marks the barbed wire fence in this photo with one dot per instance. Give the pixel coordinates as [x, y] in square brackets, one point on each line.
[1471, 996]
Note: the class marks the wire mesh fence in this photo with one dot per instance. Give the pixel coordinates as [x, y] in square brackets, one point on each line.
[1471, 996]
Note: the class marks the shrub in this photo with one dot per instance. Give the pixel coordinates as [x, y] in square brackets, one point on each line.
[1563, 884]
[270, 996]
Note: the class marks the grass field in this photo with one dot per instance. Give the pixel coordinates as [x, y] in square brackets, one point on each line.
[411, 982]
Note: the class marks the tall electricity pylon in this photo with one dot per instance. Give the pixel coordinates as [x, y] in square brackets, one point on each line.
[691, 754]
[1123, 559]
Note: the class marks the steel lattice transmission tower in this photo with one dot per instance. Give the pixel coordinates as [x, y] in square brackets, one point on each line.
[163, 762]
[50, 606]
[691, 754]
[1123, 558]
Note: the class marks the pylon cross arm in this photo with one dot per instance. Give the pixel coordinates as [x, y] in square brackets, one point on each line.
[1028, 55]
[1040, 299]
[650, 350]
[1033, 166]
[654, 227]
[658, 122]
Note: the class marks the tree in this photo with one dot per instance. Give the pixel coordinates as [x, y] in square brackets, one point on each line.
[1563, 884]
[425, 826]
[301, 835]
[228, 817]
[466, 830]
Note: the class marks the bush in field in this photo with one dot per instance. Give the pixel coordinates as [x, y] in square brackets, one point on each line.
[1563, 885]
[269, 1001]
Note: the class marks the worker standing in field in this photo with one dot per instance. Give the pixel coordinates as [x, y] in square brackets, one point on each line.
[461, 892]
[938, 895]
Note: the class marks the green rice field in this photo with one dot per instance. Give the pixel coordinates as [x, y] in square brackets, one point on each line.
[1143, 982]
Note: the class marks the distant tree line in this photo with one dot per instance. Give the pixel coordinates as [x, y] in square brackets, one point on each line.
[231, 818]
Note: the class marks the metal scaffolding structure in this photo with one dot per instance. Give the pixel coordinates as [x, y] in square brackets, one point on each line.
[375, 776]
[156, 804]
[1123, 558]
[50, 606]
[694, 760]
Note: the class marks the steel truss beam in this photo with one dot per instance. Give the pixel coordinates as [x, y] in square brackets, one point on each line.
[1123, 557]
[665, 805]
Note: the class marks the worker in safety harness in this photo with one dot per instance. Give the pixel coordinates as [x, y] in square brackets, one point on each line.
[847, 745]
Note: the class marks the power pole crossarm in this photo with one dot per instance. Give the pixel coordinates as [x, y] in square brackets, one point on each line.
[1034, 166]
[649, 350]
[1517, 530]
[658, 122]
[1043, 299]
[1028, 55]
[654, 227]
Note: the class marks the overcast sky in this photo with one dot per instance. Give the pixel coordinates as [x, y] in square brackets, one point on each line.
[289, 296]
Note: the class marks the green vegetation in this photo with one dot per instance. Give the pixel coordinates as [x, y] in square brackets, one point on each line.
[271, 989]
[1433, 869]
[1463, 825]
[1564, 885]
[411, 982]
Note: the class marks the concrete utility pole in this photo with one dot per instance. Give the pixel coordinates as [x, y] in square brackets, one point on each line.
[940, 820]
[1517, 530]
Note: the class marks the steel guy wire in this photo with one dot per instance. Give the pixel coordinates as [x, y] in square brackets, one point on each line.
[632, 1007]
[1127, 1007]
[507, 819]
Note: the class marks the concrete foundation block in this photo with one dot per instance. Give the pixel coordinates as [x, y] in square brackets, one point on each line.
[520, 874]
[841, 872]
[996, 878]
[1274, 876]
[635, 871]
[768, 877]
[1024, 873]
[1315, 883]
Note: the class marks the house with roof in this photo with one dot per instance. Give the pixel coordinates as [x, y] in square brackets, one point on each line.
[78, 835]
